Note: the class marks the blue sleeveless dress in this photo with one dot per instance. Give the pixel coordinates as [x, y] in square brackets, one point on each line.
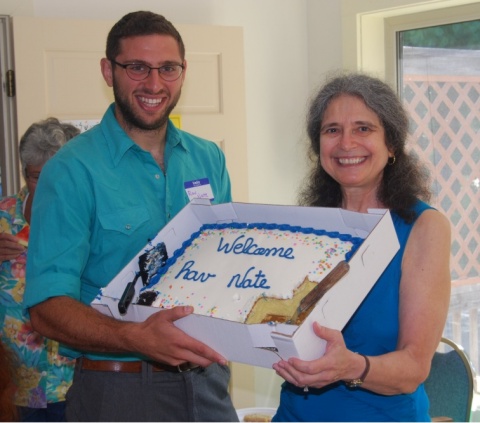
[372, 330]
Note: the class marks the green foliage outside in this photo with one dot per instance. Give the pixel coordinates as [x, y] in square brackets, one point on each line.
[464, 35]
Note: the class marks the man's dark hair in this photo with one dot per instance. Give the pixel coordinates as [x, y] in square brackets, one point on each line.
[140, 23]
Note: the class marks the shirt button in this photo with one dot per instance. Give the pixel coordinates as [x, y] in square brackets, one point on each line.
[128, 227]
[157, 176]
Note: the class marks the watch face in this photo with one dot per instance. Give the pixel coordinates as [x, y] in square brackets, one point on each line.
[354, 383]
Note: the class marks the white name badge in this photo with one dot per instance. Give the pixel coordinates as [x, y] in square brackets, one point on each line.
[199, 188]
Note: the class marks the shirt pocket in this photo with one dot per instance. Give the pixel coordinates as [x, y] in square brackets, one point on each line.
[125, 221]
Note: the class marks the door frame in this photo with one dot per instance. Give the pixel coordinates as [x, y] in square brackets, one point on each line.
[9, 164]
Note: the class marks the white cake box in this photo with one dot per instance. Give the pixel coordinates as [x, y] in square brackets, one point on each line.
[264, 344]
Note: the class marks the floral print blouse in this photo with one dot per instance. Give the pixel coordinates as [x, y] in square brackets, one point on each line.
[43, 376]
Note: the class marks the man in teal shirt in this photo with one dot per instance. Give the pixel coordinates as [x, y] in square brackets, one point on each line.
[98, 203]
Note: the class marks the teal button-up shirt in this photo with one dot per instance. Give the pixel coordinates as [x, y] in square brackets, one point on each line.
[101, 198]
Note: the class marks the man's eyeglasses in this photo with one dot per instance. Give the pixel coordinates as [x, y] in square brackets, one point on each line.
[140, 71]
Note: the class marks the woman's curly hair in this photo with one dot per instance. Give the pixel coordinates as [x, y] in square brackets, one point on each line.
[403, 183]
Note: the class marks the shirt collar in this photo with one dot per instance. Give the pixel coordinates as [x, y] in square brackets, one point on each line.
[174, 139]
[119, 142]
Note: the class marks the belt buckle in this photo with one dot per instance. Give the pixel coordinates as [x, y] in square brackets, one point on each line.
[181, 368]
[185, 367]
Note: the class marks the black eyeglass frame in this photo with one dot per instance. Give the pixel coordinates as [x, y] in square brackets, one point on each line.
[150, 68]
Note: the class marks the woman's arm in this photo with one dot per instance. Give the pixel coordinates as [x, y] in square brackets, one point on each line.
[424, 301]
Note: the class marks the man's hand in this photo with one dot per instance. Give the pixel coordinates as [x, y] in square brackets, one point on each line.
[81, 326]
[164, 342]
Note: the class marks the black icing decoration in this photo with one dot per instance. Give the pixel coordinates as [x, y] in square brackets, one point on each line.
[151, 261]
[147, 298]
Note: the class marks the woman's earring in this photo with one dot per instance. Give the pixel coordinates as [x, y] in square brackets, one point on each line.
[391, 160]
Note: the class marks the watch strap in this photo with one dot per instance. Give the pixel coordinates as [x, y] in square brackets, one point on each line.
[357, 382]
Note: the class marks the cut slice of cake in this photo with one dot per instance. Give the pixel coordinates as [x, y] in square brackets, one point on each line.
[295, 310]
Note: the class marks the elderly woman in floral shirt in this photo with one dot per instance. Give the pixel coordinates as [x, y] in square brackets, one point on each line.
[42, 375]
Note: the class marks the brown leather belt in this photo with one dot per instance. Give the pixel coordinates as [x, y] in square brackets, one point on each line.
[131, 366]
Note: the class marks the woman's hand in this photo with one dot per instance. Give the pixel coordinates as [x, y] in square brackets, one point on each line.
[338, 363]
[9, 247]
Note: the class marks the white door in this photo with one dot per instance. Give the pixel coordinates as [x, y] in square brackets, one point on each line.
[57, 65]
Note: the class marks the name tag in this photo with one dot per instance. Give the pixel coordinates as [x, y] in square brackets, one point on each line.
[199, 188]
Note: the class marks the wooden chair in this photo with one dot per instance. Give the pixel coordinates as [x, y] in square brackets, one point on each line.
[450, 384]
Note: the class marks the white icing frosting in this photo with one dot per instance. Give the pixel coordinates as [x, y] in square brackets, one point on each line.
[223, 271]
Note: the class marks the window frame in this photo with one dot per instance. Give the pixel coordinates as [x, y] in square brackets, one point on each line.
[369, 30]
[394, 25]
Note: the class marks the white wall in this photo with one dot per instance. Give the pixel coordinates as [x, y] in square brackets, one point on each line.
[276, 71]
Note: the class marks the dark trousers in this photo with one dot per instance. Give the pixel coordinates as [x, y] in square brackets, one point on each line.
[196, 395]
[55, 412]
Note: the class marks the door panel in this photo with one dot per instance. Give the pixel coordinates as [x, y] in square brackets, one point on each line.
[57, 64]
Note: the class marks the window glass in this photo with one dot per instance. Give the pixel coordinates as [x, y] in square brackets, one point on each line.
[439, 81]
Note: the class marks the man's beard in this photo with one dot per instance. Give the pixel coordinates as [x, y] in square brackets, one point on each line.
[135, 122]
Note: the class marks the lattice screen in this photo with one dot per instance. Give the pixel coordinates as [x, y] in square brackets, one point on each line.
[445, 131]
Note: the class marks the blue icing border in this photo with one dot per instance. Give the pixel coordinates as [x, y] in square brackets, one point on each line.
[356, 241]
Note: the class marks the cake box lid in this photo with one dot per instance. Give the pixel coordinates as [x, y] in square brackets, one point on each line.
[264, 344]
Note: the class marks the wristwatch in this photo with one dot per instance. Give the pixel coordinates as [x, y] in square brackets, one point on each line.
[355, 383]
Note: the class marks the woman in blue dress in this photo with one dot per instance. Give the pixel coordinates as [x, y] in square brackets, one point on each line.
[374, 369]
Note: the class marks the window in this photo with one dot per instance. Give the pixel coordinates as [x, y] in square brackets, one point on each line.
[438, 73]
